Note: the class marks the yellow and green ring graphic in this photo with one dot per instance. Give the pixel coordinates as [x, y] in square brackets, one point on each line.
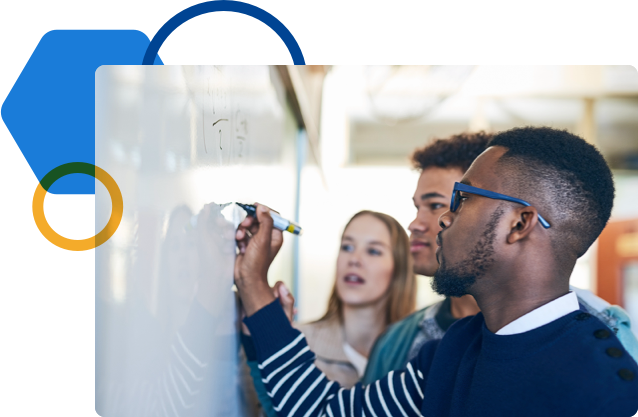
[117, 206]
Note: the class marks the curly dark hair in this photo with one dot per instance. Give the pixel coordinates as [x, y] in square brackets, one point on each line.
[565, 175]
[457, 151]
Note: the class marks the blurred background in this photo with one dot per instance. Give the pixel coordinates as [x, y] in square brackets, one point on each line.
[363, 123]
[318, 144]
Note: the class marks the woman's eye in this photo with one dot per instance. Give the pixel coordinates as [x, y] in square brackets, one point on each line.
[374, 252]
[436, 206]
[346, 247]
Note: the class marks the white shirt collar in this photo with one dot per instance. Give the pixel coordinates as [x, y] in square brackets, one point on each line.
[356, 359]
[542, 315]
[587, 297]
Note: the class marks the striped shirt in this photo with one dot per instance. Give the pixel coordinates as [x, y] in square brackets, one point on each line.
[572, 366]
[298, 388]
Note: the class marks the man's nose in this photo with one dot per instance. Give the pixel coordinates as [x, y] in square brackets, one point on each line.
[418, 225]
[445, 220]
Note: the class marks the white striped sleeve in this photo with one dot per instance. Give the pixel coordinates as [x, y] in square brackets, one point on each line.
[416, 383]
[299, 389]
[394, 396]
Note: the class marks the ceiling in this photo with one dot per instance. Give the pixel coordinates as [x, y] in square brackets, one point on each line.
[391, 110]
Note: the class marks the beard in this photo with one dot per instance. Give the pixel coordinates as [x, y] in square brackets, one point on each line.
[456, 280]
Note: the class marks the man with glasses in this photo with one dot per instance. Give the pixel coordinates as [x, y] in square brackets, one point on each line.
[442, 164]
[531, 350]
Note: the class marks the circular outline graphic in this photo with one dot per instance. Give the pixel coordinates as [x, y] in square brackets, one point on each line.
[232, 8]
[117, 206]
[248, 12]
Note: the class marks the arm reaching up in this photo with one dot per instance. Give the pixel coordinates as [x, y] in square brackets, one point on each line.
[286, 363]
[287, 302]
[258, 244]
[298, 388]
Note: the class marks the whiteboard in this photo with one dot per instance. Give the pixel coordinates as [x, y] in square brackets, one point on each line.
[182, 142]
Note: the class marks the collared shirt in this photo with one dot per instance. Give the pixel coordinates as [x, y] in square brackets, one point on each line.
[437, 318]
[356, 359]
[326, 339]
[485, 364]
[430, 329]
[543, 315]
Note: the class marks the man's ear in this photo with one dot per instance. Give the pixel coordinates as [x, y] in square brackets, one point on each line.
[523, 222]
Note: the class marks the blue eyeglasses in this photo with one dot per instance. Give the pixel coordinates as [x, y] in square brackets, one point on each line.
[459, 188]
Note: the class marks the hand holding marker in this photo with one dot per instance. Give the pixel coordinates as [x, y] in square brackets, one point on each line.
[278, 221]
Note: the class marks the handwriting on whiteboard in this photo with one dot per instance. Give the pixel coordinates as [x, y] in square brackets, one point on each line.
[241, 132]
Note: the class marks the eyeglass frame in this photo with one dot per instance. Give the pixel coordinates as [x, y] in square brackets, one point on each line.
[459, 188]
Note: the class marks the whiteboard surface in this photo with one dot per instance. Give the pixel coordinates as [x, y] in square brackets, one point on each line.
[182, 142]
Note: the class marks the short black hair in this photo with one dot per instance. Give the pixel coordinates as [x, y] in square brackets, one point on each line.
[566, 175]
[457, 151]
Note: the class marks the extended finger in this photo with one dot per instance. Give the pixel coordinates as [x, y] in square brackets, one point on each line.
[286, 299]
[287, 296]
[275, 288]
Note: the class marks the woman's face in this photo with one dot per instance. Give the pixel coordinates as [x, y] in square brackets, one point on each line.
[365, 264]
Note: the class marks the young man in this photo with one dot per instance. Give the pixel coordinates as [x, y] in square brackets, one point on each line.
[531, 351]
[442, 163]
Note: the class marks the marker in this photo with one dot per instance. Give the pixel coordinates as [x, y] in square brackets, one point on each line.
[278, 221]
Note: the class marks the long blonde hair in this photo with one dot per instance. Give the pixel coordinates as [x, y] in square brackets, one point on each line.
[401, 299]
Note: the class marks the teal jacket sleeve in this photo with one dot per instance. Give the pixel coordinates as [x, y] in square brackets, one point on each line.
[264, 399]
[390, 351]
[255, 373]
[624, 333]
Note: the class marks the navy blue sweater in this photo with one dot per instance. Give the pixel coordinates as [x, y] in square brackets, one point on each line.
[573, 366]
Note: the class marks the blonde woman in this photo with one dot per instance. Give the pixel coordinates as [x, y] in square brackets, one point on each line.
[374, 287]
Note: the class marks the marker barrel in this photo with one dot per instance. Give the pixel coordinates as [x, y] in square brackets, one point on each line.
[278, 221]
[285, 225]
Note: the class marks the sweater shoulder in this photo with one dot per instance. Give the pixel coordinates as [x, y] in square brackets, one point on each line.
[590, 361]
[466, 326]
